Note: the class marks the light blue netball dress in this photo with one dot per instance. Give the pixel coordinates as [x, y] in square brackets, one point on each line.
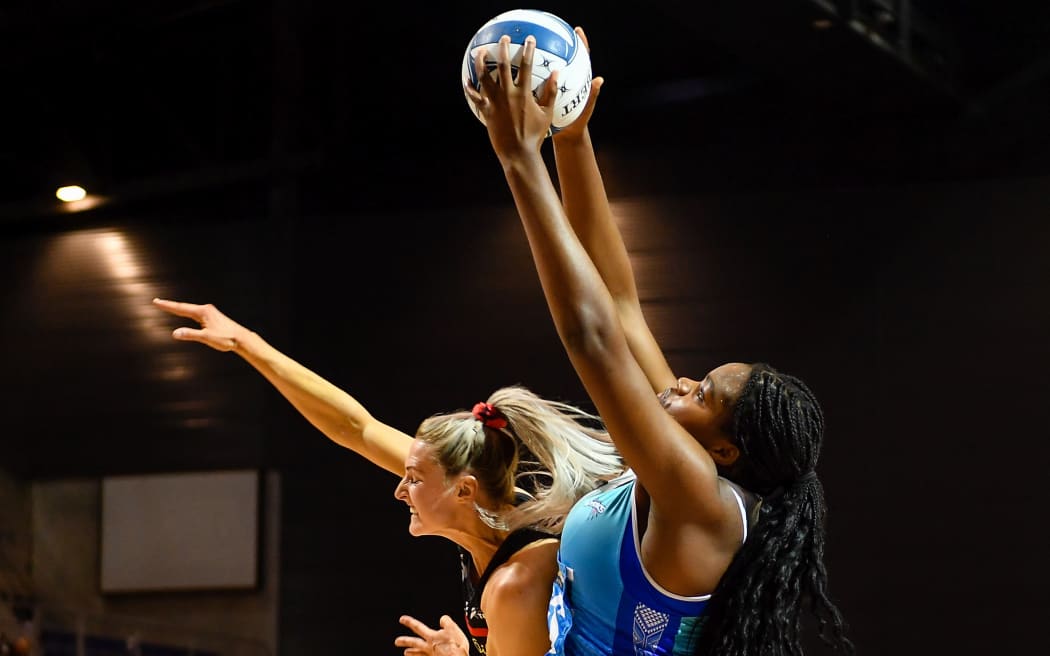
[604, 602]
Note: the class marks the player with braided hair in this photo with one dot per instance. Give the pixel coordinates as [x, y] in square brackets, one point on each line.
[496, 480]
[713, 542]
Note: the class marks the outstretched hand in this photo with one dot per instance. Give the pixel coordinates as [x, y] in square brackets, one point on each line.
[517, 122]
[217, 330]
[577, 128]
[449, 640]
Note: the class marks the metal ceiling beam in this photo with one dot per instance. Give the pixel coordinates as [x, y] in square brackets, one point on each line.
[898, 28]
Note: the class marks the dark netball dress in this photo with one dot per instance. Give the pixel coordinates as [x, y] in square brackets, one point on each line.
[477, 628]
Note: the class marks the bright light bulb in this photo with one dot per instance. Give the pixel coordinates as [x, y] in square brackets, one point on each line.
[70, 193]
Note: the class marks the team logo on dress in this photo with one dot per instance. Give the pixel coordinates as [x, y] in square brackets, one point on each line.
[597, 508]
[648, 627]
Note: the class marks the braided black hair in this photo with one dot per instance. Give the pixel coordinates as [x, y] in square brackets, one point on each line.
[757, 606]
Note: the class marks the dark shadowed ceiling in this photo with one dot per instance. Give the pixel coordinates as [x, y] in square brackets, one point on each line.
[143, 100]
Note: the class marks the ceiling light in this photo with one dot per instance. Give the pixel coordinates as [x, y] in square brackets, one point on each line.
[70, 193]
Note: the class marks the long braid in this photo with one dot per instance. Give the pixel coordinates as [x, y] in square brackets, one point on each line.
[756, 607]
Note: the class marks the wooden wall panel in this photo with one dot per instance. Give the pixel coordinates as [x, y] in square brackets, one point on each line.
[917, 314]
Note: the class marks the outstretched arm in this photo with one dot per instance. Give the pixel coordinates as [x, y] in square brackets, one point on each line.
[331, 410]
[583, 310]
[587, 206]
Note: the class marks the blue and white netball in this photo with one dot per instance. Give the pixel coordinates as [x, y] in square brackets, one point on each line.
[558, 48]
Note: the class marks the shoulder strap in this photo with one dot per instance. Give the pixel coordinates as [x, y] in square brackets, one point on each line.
[511, 545]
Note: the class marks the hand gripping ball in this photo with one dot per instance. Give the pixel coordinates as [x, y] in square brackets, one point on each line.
[558, 48]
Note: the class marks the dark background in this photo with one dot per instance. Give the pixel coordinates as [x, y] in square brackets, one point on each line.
[863, 204]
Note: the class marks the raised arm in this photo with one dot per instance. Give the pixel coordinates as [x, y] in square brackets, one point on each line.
[587, 205]
[331, 410]
[583, 310]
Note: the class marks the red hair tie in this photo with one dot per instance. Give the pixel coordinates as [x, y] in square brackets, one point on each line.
[487, 414]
